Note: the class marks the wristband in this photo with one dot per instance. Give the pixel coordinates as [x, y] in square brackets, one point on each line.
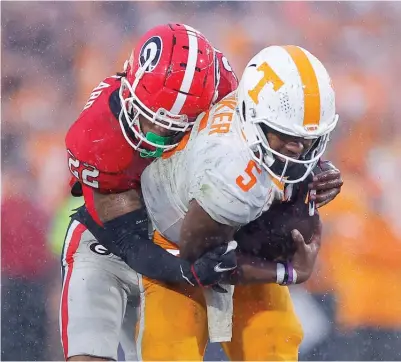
[286, 274]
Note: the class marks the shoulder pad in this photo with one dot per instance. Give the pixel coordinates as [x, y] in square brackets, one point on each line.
[96, 138]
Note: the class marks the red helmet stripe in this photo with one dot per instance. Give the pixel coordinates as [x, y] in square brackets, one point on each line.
[189, 72]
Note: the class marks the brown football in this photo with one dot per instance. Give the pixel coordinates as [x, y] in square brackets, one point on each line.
[269, 236]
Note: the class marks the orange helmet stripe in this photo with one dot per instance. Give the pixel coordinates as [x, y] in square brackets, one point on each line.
[310, 83]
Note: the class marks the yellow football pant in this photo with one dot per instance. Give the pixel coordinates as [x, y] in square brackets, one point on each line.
[173, 323]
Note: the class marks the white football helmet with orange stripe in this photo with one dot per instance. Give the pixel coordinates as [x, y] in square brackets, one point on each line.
[288, 90]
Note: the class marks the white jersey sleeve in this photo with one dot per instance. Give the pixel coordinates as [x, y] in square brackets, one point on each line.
[215, 177]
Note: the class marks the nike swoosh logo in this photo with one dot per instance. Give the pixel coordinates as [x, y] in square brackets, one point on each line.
[218, 269]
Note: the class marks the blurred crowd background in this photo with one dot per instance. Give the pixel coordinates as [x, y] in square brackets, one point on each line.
[55, 53]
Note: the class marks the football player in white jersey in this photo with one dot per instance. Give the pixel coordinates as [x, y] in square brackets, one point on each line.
[244, 154]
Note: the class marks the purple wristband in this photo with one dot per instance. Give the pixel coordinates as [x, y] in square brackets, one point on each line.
[290, 271]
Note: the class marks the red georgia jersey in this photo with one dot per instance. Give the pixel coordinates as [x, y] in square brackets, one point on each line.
[228, 80]
[99, 157]
[98, 154]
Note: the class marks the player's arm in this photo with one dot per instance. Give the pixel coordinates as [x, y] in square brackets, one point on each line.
[200, 232]
[112, 206]
[257, 270]
[125, 233]
[220, 204]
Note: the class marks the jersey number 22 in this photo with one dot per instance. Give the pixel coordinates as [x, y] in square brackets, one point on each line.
[83, 172]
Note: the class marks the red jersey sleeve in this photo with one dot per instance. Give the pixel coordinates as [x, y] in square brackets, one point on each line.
[98, 155]
[228, 80]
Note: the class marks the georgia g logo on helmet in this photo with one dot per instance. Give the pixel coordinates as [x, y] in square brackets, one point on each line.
[151, 49]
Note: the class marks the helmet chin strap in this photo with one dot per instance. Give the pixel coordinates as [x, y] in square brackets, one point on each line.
[156, 139]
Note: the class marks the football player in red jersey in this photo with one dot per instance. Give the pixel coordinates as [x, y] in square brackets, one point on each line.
[172, 76]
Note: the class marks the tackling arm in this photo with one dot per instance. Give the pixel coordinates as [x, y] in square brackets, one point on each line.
[125, 234]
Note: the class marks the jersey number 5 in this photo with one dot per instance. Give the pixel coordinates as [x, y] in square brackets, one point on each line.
[88, 172]
[250, 176]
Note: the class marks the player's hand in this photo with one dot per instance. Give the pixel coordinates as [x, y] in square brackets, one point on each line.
[305, 256]
[213, 267]
[327, 184]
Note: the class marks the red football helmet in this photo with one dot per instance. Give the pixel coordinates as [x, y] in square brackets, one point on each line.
[171, 78]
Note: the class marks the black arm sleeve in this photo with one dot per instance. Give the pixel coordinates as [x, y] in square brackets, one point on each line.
[127, 237]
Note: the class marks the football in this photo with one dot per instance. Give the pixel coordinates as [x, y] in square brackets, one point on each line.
[269, 236]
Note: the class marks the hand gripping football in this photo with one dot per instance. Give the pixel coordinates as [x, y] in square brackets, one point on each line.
[269, 236]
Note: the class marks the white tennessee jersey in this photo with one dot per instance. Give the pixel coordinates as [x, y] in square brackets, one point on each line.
[214, 166]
